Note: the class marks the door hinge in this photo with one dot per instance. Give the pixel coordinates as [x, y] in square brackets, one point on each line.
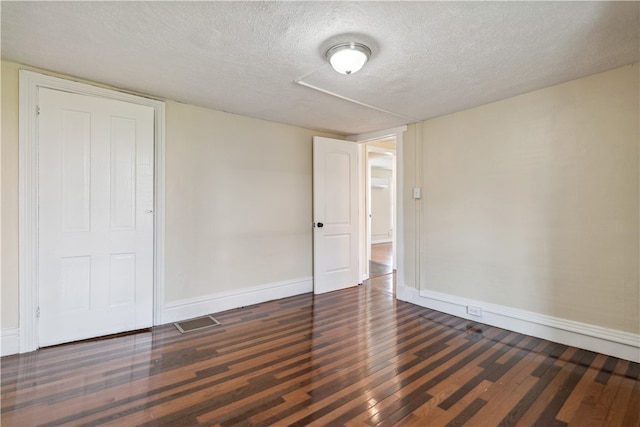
[37, 110]
[38, 312]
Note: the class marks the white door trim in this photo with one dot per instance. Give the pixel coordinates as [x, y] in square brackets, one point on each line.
[398, 236]
[28, 193]
[372, 136]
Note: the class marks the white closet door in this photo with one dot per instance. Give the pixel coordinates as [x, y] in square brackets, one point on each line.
[95, 216]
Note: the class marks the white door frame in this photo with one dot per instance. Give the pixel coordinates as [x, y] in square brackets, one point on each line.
[398, 231]
[28, 193]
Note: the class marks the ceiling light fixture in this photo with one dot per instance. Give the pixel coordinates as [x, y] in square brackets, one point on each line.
[348, 58]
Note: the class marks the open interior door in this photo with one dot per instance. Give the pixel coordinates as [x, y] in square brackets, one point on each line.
[335, 215]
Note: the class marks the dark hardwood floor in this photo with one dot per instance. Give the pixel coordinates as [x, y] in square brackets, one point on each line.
[353, 357]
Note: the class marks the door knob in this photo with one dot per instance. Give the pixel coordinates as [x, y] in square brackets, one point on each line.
[320, 225]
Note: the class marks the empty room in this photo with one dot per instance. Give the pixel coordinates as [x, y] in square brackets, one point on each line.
[276, 213]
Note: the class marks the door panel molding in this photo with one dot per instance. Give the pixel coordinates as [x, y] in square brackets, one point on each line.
[30, 82]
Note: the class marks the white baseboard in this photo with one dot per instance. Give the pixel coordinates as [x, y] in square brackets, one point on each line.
[189, 308]
[385, 240]
[611, 342]
[9, 341]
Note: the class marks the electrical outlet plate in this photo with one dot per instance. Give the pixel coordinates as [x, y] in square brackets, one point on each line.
[474, 310]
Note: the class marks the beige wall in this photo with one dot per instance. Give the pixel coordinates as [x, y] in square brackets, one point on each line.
[9, 194]
[1, 192]
[409, 173]
[533, 202]
[381, 225]
[238, 201]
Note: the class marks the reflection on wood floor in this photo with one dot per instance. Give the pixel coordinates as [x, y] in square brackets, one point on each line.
[381, 262]
[352, 357]
[382, 253]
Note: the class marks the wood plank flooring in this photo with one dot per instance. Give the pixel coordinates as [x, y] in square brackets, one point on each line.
[356, 357]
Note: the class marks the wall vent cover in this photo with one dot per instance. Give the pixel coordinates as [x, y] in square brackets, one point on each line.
[196, 324]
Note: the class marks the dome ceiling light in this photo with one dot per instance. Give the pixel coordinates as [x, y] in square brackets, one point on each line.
[348, 58]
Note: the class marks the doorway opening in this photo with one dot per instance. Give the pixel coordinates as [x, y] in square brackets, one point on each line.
[381, 207]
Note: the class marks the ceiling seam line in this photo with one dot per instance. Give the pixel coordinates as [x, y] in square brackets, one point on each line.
[363, 104]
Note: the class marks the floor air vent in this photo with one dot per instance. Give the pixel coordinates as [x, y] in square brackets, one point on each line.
[196, 324]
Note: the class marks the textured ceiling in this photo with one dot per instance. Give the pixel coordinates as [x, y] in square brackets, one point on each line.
[429, 58]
